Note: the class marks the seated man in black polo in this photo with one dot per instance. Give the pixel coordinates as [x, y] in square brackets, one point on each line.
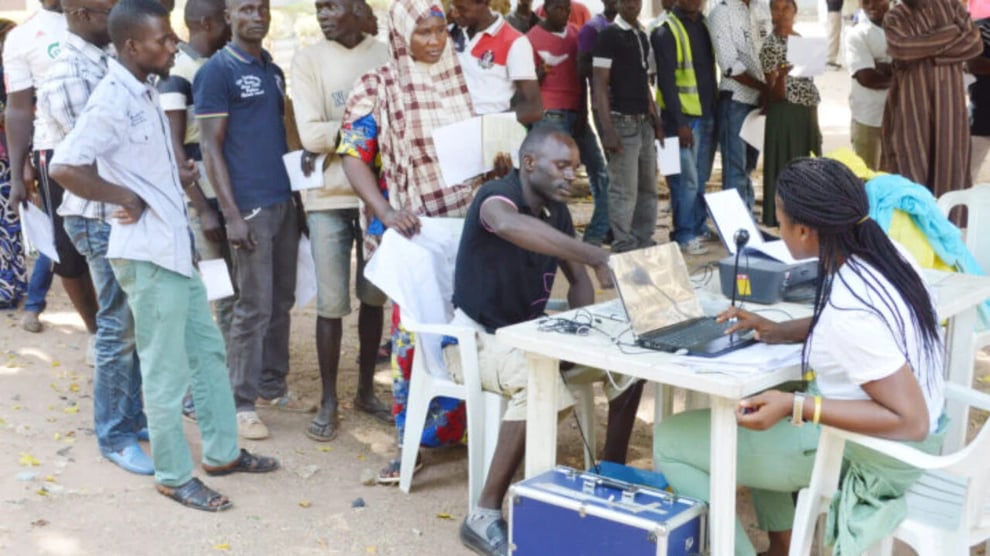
[517, 231]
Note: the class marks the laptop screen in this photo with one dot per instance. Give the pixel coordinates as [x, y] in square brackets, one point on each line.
[654, 286]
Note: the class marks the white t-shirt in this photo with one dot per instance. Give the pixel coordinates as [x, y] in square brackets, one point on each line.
[491, 61]
[857, 339]
[866, 45]
[30, 49]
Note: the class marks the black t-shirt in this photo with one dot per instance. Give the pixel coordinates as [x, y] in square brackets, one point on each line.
[979, 92]
[629, 51]
[497, 283]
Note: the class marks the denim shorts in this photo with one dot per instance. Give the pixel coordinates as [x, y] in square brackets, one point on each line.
[333, 233]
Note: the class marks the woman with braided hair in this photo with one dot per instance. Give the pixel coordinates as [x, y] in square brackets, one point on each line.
[874, 349]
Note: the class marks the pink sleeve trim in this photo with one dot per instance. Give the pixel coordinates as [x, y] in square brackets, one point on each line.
[502, 198]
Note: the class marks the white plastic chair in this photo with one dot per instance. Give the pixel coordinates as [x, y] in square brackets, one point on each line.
[948, 509]
[484, 409]
[977, 202]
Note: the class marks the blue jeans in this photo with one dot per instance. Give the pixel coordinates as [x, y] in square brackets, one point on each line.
[738, 157]
[594, 164]
[687, 189]
[38, 285]
[117, 409]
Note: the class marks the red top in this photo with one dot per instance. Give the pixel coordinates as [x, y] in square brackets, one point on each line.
[561, 88]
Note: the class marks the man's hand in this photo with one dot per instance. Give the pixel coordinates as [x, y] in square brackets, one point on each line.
[402, 221]
[239, 234]
[611, 142]
[209, 220]
[604, 276]
[301, 221]
[885, 69]
[131, 210]
[685, 136]
[657, 127]
[188, 173]
[764, 410]
[18, 195]
[308, 162]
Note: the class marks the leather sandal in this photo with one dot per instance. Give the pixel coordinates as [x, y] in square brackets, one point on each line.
[195, 494]
[246, 462]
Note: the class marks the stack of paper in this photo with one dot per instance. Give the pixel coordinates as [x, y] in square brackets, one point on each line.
[756, 358]
[468, 148]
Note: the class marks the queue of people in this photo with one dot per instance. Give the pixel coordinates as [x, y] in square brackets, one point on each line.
[157, 153]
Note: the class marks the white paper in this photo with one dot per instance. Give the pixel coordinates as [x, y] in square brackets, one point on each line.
[669, 156]
[216, 278]
[459, 151]
[299, 181]
[808, 55]
[38, 230]
[418, 275]
[753, 129]
[730, 215]
[305, 274]
[501, 133]
[756, 358]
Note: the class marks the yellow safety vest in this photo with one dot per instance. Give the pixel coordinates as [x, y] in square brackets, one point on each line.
[684, 77]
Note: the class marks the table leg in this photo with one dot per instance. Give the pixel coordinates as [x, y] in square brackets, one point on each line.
[959, 370]
[541, 414]
[722, 509]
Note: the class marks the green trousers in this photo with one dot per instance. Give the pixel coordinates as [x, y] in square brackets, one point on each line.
[179, 345]
[773, 463]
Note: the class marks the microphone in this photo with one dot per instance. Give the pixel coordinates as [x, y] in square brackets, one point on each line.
[741, 237]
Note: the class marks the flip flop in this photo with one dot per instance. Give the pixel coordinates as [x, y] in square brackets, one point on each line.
[322, 432]
[246, 462]
[379, 411]
[195, 494]
[389, 475]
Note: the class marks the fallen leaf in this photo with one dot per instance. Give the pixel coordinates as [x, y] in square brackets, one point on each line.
[71, 409]
[55, 387]
[41, 492]
[445, 515]
[16, 408]
[56, 363]
[74, 387]
[222, 546]
[305, 503]
[371, 550]
[50, 479]
[324, 449]
[2, 422]
[984, 378]
[362, 457]
[57, 436]
[39, 523]
[27, 460]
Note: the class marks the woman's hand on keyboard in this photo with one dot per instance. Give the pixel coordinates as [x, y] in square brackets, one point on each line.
[763, 329]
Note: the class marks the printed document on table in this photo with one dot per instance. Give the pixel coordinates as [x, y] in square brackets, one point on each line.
[305, 274]
[753, 129]
[299, 181]
[669, 156]
[807, 54]
[38, 230]
[216, 278]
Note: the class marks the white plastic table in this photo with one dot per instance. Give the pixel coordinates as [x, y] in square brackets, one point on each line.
[957, 294]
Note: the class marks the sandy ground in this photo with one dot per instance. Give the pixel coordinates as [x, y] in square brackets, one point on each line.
[59, 497]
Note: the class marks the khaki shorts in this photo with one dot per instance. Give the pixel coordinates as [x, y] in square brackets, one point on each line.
[333, 235]
[505, 371]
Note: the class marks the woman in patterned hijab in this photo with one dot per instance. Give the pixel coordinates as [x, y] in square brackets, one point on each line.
[387, 149]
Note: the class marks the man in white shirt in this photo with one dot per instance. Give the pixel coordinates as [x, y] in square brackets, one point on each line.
[319, 97]
[497, 61]
[28, 53]
[869, 66]
[118, 416]
[738, 28]
[124, 133]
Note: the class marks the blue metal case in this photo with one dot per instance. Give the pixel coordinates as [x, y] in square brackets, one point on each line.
[565, 511]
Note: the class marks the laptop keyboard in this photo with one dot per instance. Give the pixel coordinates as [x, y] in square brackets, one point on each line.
[694, 333]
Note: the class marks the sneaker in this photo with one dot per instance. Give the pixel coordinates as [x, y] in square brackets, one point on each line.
[694, 247]
[494, 543]
[289, 402]
[249, 426]
[30, 322]
[91, 351]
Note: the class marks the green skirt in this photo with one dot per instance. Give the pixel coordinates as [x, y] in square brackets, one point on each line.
[791, 132]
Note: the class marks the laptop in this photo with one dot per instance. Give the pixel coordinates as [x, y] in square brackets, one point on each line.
[662, 307]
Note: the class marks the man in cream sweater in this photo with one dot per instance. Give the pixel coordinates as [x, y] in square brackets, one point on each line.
[319, 96]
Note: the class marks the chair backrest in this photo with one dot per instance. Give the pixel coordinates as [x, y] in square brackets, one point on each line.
[977, 202]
